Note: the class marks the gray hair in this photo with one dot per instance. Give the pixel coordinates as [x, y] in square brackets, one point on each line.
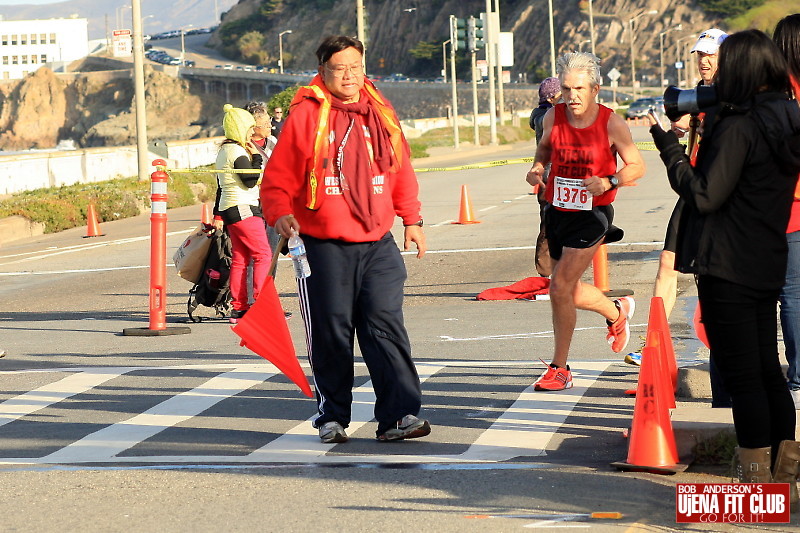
[582, 62]
[257, 109]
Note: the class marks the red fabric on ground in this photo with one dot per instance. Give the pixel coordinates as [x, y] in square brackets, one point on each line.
[525, 289]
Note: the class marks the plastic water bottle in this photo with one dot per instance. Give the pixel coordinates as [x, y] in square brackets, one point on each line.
[297, 250]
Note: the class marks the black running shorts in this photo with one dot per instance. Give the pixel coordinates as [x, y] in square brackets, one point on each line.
[579, 229]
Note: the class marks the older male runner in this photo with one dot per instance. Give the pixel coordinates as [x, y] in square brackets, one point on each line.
[582, 140]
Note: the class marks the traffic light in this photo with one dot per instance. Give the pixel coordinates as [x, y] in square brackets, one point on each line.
[458, 33]
[475, 34]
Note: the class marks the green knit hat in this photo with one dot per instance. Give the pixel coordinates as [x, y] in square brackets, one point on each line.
[236, 123]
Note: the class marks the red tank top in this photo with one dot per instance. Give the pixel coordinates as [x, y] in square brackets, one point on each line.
[580, 153]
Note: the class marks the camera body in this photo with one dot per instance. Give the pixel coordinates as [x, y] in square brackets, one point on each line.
[680, 102]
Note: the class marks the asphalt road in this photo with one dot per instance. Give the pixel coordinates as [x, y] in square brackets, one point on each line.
[105, 432]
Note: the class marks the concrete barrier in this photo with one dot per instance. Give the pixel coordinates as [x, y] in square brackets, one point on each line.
[37, 170]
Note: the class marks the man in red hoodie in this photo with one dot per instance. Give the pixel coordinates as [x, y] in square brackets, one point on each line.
[339, 175]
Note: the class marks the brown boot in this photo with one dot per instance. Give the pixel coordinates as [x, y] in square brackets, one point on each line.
[753, 465]
[786, 466]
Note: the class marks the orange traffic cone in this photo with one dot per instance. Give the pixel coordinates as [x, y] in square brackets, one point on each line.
[205, 215]
[664, 386]
[465, 215]
[658, 322]
[651, 446]
[92, 226]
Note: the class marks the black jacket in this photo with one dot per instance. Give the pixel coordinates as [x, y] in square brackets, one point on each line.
[738, 196]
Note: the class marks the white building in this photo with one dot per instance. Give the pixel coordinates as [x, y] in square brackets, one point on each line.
[26, 45]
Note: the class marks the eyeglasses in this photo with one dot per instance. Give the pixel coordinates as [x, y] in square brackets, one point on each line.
[279, 111]
[339, 70]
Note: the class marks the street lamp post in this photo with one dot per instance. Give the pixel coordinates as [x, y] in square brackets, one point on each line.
[678, 55]
[121, 15]
[591, 25]
[661, 50]
[280, 49]
[183, 43]
[552, 41]
[633, 59]
[444, 59]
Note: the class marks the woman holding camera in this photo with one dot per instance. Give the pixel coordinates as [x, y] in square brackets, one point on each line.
[732, 237]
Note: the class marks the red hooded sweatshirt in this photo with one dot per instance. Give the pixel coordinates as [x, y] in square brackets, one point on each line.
[301, 177]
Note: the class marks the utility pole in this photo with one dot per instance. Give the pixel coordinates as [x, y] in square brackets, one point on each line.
[138, 91]
[360, 25]
[491, 39]
[500, 97]
[552, 41]
[457, 40]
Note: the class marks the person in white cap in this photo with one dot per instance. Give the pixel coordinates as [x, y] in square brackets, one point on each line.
[666, 285]
[705, 51]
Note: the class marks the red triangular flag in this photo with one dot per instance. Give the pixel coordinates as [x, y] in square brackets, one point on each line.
[527, 288]
[264, 331]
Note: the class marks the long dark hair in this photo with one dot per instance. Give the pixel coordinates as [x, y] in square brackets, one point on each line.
[749, 63]
[334, 44]
[787, 37]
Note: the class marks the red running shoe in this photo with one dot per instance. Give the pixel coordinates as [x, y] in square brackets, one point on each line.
[619, 331]
[554, 378]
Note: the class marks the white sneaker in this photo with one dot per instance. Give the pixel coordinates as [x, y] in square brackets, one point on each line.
[332, 432]
[408, 427]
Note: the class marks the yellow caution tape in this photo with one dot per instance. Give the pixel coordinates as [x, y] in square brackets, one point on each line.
[212, 170]
[647, 145]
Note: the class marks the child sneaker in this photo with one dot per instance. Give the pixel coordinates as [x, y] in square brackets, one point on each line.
[619, 331]
[554, 378]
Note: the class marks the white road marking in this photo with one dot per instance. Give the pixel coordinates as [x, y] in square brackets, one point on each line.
[304, 439]
[133, 267]
[43, 254]
[527, 335]
[108, 442]
[47, 395]
[523, 430]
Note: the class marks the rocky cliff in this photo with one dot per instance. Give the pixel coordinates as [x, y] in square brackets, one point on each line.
[97, 109]
[395, 27]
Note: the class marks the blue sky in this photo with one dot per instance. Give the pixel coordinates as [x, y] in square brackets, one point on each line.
[21, 2]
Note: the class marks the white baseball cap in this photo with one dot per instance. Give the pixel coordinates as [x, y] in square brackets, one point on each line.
[709, 41]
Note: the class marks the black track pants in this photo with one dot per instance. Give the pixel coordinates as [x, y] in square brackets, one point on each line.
[358, 288]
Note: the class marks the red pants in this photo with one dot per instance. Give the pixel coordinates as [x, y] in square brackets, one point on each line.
[248, 241]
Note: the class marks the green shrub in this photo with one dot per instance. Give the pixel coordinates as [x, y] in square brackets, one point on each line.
[65, 207]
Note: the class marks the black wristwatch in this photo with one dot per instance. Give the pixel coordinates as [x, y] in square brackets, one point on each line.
[419, 223]
[613, 181]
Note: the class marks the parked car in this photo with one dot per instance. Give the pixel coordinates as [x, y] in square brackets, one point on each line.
[639, 108]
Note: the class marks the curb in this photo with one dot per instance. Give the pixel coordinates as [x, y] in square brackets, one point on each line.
[16, 227]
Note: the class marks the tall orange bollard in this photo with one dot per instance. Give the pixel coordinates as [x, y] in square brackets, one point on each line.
[158, 259]
[92, 226]
[600, 268]
[205, 215]
[465, 215]
[600, 273]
